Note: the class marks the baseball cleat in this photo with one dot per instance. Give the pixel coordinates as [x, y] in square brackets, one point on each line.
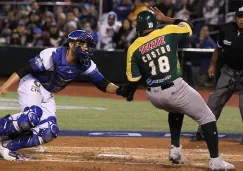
[241, 142]
[6, 153]
[175, 155]
[10, 155]
[218, 164]
[17, 156]
[198, 137]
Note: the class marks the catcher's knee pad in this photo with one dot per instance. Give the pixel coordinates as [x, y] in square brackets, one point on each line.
[6, 126]
[48, 134]
[30, 118]
[44, 135]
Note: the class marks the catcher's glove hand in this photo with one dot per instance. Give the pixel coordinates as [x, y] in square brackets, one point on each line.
[122, 91]
[127, 91]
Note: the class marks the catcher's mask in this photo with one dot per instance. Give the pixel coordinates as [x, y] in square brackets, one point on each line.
[82, 37]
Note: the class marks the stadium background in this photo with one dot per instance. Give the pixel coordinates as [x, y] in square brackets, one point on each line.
[89, 120]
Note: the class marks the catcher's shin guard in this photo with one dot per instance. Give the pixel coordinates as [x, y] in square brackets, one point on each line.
[37, 137]
[30, 118]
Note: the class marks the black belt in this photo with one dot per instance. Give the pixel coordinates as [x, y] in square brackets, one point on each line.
[163, 87]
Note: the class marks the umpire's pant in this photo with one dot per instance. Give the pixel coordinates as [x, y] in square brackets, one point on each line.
[224, 90]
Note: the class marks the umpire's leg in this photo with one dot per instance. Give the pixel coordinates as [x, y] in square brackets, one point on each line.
[222, 93]
[219, 97]
[241, 107]
[241, 103]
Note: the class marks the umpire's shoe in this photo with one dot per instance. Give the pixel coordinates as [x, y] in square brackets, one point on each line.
[219, 164]
[175, 155]
[9, 155]
[198, 137]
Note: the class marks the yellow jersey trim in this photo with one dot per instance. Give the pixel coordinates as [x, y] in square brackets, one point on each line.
[133, 79]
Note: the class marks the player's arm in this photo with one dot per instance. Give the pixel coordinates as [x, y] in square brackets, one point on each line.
[12, 79]
[100, 81]
[215, 56]
[15, 77]
[167, 20]
[212, 65]
[40, 63]
[37, 64]
[182, 26]
[103, 84]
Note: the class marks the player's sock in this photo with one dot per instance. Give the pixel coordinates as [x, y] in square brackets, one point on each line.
[210, 133]
[175, 124]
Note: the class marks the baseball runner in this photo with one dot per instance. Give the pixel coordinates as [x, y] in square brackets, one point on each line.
[230, 40]
[47, 73]
[153, 57]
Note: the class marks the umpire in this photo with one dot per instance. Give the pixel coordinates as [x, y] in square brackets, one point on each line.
[230, 45]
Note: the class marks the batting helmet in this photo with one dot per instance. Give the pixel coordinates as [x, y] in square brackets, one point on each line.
[146, 20]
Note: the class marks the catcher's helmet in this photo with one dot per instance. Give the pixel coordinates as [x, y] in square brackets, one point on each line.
[82, 36]
[146, 20]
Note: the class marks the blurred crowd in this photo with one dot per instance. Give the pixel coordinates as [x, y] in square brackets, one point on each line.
[35, 25]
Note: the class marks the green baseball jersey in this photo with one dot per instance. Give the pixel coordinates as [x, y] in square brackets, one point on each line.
[154, 56]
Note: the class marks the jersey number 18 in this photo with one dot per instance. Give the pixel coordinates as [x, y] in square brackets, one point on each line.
[164, 65]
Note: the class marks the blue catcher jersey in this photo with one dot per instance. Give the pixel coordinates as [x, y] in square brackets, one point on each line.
[53, 72]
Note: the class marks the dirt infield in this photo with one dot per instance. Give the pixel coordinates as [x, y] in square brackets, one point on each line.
[113, 154]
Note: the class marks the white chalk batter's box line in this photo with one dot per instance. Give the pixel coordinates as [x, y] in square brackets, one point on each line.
[70, 158]
[185, 165]
[123, 154]
[6, 105]
[113, 162]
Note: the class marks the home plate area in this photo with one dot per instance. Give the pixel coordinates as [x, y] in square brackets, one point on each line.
[131, 156]
[108, 154]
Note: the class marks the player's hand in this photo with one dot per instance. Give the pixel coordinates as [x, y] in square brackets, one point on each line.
[130, 95]
[159, 15]
[3, 91]
[211, 70]
[122, 91]
[127, 91]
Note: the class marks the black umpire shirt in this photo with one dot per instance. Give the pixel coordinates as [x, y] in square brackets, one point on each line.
[230, 40]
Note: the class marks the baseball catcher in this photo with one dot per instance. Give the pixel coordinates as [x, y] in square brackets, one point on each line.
[47, 73]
